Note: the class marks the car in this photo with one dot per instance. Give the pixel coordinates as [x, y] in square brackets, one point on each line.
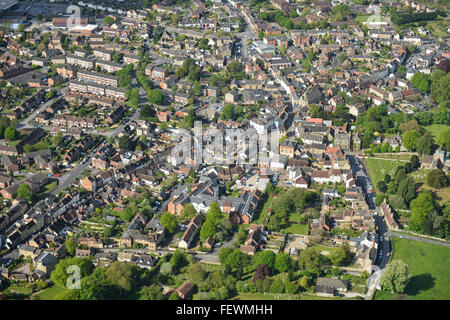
[57, 175]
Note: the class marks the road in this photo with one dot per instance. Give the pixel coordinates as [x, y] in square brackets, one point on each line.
[384, 246]
[430, 241]
[68, 178]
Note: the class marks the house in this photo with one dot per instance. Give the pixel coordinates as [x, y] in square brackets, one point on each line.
[46, 262]
[185, 291]
[385, 211]
[254, 239]
[328, 286]
[192, 230]
[10, 164]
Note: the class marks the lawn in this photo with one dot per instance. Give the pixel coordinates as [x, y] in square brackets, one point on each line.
[48, 293]
[378, 168]
[430, 267]
[261, 213]
[296, 228]
[324, 249]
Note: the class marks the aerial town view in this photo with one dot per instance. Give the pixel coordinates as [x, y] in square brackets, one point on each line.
[224, 150]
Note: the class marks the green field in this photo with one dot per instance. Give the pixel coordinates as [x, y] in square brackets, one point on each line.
[48, 293]
[430, 267]
[377, 169]
[296, 228]
[320, 249]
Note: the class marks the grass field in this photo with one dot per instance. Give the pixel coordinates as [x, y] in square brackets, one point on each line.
[323, 249]
[430, 267]
[377, 169]
[296, 228]
[48, 293]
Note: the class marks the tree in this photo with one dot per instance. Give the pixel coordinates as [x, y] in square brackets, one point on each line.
[155, 96]
[11, 133]
[108, 20]
[277, 286]
[236, 259]
[178, 260]
[421, 81]
[168, 221]
[129, 213]
[282, 262]
[71, 246]
[125, 142]
[382, 186]
[396, 276]
[188, 211]
[166, 268]
[421, 209]
[208, 229]
[120, 275]
[147, 111]
[437, 179]
[228, 112]
[415, 163]
[223, 254]
[426, 145]
[304, 283]
[24, 192]
[262, 271]
[152, 292]
[443, 138]
[59, 275]
[214, 213]
[265, 257]
[291, 288]
[407, 189]
[341, 256]
[410, 139]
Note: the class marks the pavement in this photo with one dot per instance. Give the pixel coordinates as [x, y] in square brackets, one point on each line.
[430, 241]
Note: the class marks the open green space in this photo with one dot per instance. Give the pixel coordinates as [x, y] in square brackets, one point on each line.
[296, 228]
[378, 168]
[430, 267]
[48, 293]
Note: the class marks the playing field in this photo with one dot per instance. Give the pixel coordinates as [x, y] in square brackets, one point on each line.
[430, 267]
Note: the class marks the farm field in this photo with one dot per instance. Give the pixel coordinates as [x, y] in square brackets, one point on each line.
[430, 267]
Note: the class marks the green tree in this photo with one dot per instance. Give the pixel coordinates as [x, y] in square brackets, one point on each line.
[108, 20]
[396, 277]
[410, 139]
[436, 178]
[425, 145]
[282, 262]
[208, 229]
[228, 112]
[11, 133]
[24, 192]
[71, 246]
[120, 275]
[266, 257]
[168, 221]
[155, 96]
[188, 211]
[60, 274]
[152, 292]
[125, 142]
[421, 208]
